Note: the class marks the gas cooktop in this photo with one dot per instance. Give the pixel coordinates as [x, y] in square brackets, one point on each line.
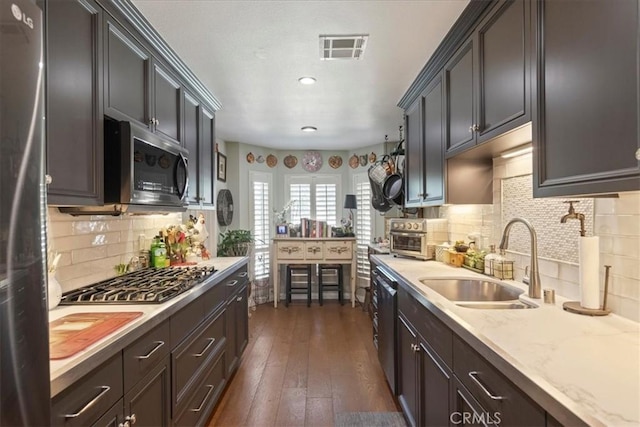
[146, 286]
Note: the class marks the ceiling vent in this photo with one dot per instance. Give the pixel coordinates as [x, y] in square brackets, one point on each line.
[343, 47]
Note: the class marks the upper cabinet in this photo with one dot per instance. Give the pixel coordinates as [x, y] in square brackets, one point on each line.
[206, 158]
[74, 125]
[424, 164]
[138, 86]
[586, 130]
[487, 83]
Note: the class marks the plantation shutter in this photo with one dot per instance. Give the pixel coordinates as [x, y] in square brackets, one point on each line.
[261, 213]
[363, 226]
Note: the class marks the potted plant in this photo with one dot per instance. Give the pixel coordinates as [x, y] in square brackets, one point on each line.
[235, 243]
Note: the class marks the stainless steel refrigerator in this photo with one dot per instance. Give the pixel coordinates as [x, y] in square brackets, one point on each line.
[24, 346]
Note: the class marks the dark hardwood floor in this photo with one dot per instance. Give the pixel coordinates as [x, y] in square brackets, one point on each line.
[304, 365]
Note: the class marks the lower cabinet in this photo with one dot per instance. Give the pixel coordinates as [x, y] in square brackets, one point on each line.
[174, 374]
[454, 385]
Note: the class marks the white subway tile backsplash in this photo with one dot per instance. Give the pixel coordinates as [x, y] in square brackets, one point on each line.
[629, 225]
[88, 254]
[627, 246]
[568, 273]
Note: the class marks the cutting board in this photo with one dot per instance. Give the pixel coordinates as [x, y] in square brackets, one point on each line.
[75, 332]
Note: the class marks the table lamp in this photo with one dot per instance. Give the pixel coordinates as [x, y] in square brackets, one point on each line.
[350, 203]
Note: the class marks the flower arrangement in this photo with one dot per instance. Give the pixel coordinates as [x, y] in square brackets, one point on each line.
[281, 216]
[178, 241]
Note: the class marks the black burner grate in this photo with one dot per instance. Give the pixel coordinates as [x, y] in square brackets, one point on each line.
[147, 286]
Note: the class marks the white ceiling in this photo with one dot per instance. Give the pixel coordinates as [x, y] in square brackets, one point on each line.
[250, 55]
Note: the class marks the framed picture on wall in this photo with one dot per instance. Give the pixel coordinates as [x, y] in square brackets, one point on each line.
[222, 167]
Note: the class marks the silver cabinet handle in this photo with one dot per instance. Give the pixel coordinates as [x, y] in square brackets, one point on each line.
[157, 122]
[131, 418]
[206, 397]
[124, 424]
[239, 299]
[232, 283]
[243, 274]
[638, 154]
[211, 341]
[148, 355]
[152, 121]
[48, 179]
[473, 376]
[105, 389]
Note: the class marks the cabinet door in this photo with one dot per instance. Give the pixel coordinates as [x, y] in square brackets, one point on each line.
[149, 402]
[242, 321]
[74, 123]
[114, 417]
[414, 160]
[503, 57]
[190, 139]
[407, 371]
[459, 92]
[126, 79]
[231, 336]
[166, 102]
[433, 144]
[586, 124]
[206, 159]
[465, 410]
[434, 389]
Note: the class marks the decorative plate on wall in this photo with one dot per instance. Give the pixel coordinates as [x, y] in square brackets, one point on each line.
[272, 160]
[312, 161]
[224, 207]
[290, 161]
[354, 161]
[335, 161]
[250, 158]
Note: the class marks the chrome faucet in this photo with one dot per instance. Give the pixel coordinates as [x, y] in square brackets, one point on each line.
[534, 285]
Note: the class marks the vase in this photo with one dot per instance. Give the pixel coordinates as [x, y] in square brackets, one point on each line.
[54, 291]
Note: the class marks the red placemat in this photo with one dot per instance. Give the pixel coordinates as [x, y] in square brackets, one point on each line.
[75, 332]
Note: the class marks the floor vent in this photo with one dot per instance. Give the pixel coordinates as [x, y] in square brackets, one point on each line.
[343, 47]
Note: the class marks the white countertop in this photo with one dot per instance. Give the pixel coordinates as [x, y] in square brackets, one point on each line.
[590, 365]
[150, 311]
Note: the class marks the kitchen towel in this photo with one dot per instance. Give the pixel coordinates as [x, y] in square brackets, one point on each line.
[589, 272]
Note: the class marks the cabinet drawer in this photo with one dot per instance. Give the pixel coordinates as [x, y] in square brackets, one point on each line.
[214, 298]
[290, 250]
[141, 356]
[436, 333]
[338, 250]
[190, 357]
[493, 390]
[186, 320]
[234, 282]
[113, 417]
[90, 397]
[313, 250]
[197, 409]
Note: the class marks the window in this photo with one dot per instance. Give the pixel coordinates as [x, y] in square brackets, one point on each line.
[315, 197]
[260, 209]
[363, 226]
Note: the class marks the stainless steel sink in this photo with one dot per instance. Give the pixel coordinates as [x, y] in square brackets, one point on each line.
[473, 290]
[510, 305]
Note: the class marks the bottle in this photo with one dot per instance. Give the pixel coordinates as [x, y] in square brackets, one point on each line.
[159, 254]
[488, 260]
[154, 244]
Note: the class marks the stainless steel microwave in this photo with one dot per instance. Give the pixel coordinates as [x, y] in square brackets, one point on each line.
[143, 173]
[143, 169]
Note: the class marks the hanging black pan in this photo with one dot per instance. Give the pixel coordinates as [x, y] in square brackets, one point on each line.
[393, 187]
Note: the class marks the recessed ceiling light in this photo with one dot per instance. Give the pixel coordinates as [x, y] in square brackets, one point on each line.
[307, 80]
[308, 129]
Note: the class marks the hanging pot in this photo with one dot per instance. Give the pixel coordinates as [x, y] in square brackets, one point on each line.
[393, 188]
[378, 201]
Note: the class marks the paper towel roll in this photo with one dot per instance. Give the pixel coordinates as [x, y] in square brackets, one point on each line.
[589, 253]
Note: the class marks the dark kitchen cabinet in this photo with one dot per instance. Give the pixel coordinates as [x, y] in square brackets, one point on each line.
[148, 403]
[166, 102]
[207, 158]
[74, 125]
[432, 118]
[414, 177]
[199, 139]
[495, 393]
[487, 80]
[586, 131]
[191, 137]
[424, 386]
[137, 86]
[237, 320]
[465, 410]
[127, 76]
[425, 151]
